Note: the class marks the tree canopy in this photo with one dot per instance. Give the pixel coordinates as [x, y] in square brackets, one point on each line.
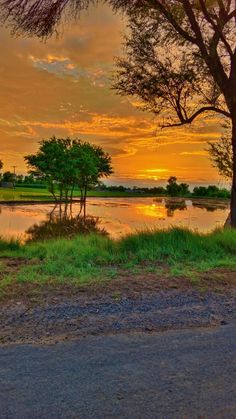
[66, 163]
[168, 77]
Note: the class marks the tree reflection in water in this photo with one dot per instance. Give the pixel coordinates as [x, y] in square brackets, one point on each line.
[62, 223]
[211, 206]
[172, 206]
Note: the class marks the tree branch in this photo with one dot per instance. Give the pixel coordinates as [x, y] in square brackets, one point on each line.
[216, 27]
[196, 114]
[168, 15]
[211, 58]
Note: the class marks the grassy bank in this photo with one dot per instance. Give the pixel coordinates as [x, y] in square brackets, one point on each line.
[175, 253]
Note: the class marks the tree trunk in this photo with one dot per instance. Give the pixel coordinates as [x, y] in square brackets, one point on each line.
[233, 192]
[85, 198]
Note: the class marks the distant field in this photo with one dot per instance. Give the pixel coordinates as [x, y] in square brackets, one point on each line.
[37, 194]
[21, 194]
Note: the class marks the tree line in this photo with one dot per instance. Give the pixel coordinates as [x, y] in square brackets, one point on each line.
[173, 189]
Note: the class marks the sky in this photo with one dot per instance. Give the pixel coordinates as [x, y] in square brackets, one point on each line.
[62, 87]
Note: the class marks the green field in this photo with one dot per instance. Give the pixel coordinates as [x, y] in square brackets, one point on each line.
[37, 194]
[176, 253]
[41, 194]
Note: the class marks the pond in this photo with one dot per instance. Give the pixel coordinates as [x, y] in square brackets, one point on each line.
[120, 216]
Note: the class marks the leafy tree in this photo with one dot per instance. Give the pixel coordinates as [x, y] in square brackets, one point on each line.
[210, 191]
[175, 189]
[158, 190]
[8, 177]
[66, 163]
[221, 155]
[51, 163]
[90, 164]
[187, 48]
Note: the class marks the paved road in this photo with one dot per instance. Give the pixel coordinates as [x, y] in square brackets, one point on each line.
[174, 374]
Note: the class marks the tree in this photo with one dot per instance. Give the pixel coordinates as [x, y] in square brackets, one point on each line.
[210, 191]
[8, 177]
[221, 155]
[198, 37]
[52, 164]
[91, 163]
[175, 189]
[181, 63]
[66, 163]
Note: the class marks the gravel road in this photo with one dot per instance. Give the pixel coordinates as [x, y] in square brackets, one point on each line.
[92, 315]
[172, 374]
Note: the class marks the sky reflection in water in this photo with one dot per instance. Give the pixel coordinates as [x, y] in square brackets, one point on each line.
[121, 216]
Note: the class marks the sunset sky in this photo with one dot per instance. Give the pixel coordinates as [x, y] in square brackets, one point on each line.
[62, 88]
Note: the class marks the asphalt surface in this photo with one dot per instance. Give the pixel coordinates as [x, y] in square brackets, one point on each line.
[172, 374]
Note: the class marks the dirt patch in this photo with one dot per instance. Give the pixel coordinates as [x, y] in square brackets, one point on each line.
[133, 301]
[126, 284]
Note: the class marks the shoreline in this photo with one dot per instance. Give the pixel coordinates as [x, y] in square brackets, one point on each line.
[77, 200]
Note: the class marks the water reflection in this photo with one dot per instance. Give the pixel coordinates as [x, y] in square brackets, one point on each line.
[118, 216]
[60, 222]
[173, 205]
[209, 205]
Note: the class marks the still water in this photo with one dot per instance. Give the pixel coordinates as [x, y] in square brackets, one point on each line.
[119, 216]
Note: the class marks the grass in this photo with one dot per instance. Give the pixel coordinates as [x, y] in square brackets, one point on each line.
[78, 261]
[37, 194]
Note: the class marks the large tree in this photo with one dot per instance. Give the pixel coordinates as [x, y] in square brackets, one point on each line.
[202, 33]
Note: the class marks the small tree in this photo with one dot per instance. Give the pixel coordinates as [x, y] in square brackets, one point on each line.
[8, 177]
[177, 189]
[66, 163]
[52, 164]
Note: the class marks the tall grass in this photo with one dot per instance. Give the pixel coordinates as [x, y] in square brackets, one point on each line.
[83, 258]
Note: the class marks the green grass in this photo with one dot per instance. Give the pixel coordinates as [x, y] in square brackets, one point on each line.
[37, 194]
[178, 252]
[42, 194]
[22, 194]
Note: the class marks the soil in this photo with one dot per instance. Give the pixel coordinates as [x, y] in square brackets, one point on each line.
[145, 301]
